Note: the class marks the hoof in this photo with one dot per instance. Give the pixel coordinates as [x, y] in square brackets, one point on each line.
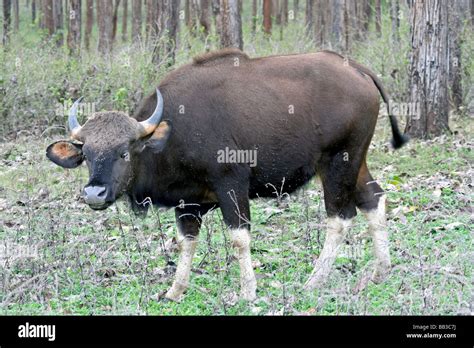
[380, 275]
[313, 283]
[249, 291]
[174, 295]
[249, 296]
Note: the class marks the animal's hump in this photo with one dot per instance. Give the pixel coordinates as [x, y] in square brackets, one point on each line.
[216, 56]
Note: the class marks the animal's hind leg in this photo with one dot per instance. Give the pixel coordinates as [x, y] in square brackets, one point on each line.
[339, 179]
[371, 201]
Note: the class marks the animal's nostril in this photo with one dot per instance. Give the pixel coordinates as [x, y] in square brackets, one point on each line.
[101, 192]
[95, 194]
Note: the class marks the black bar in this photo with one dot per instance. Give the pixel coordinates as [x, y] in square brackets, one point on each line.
[104, 330]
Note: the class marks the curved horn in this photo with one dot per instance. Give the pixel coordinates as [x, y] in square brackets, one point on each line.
[150, 124]
[74, 125]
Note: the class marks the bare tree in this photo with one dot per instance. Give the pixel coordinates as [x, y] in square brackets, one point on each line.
[457, 10]
[216, 11]
[267, 16]
[320, 22]
[192, 16]
[284, 12]
[204, 19]
[349, 14]
[89, 23]
[136, 20]
[58, 17]
[338, 24]
[276, 11]
[104, 18]
[362, 18]
[429, 68]
[168, 11]
[74, 27]
[6, 21]
[395, 19]
[48, 18]
[124, 20]
[231, 34]
[152, 13]
[33, 11]
[115, 20]
[254, 16]
[16, 16]
[378, 17]
[309, 20]
[296, 9]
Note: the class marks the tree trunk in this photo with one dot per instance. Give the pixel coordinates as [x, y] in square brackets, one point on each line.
[231, 35]
[378, 18]
[74, 28]
[456, 18]
[429, 68]
[136, 20]
[267, 17]
[89, 22]
[254, 16]
[168, 11]
[33, 11]
[216, 12]
[152, 25]
[284, 12]
[368, 14]
[170, 26]
[276, 11]
[58, 22]
[296, 9]
[338, 27]
[16, 16]
[309, 20]
[193, 16]
[363, 12]
[124, 20]
[395, 19]
[352, 24]
[204, 19]
[472, 12]
[48, 18]
[6, 21]
[115, 20]
[105, 9]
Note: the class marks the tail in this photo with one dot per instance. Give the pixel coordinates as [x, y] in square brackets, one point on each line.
[398, 139]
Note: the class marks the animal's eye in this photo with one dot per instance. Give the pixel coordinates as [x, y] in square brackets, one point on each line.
[126, 156]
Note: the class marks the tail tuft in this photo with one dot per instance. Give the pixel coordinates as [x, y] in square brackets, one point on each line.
[398, 139]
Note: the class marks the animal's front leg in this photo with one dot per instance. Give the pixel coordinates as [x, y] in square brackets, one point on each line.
[188, 221]
[234, 204]
[248, 283]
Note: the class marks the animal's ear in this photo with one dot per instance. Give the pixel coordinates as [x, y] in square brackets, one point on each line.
[65, 153]
[160, 136]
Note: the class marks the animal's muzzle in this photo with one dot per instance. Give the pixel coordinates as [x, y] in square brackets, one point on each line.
[95, 196]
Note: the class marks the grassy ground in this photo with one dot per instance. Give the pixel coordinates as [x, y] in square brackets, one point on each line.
[60, 257]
